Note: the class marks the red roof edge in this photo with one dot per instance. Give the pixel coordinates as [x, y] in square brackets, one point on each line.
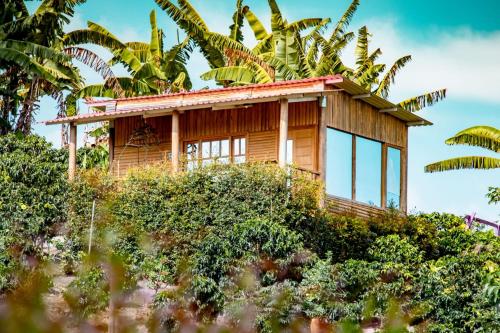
[327, 79]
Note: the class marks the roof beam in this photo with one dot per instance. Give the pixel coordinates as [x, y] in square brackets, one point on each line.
[361, 96]
[417, 123]
[389, 110]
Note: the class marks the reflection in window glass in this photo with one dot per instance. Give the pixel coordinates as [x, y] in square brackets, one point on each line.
[339, 163]
[239, 154]
[368, 171]
[192, 155]
[289, 151]
[393, 177]
[205, 149]
[224, 149]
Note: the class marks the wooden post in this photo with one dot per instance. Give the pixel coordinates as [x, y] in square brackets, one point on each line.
[323, 109]
[383, 195]
[175, 141]
[72, 151]
[111, 145]
[283, 138]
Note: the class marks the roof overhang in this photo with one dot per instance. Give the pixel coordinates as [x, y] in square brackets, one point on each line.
[234, 97]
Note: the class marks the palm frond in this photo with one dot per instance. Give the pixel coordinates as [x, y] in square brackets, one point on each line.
[230, 73]
[237, 57]
[264, 46]
[235, 32]
[286, 72]
[255, 24]
[362, 46]
[469, 162]
[35, 50]
[370, 76]
[480, 136]
[149, 71]
[100, 29]
[95, 62]
[389, 77]
[344, 21]
[28, 64]
[191, 12]
[306, 23]
[419, 102]
[277, 21]
[87, 36]
[154, 44]
[221, 43]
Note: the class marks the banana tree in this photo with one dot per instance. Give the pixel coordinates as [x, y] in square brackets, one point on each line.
[370, 75]
[31, 66]
[152, 69]
[284, 53]
[479, 136]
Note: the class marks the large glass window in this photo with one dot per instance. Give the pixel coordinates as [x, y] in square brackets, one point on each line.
[393, 177]
[339, 163]
[368, 171]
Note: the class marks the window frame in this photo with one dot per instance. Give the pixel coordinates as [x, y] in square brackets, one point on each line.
[383, 157]
[199, 141]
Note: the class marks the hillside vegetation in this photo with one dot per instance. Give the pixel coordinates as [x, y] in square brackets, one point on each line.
[235, 247]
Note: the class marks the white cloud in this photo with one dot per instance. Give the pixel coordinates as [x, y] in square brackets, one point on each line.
[464, 61]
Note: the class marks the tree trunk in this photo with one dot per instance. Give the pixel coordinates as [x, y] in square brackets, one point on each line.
[26, 117]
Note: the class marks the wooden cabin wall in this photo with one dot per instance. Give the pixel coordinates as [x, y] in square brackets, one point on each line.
[360, 118]
[258, 123]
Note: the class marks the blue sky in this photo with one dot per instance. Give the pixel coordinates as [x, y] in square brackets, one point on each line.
[454, 44]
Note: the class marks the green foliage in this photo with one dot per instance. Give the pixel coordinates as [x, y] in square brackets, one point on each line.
[493, 195]
[234, 237]
[88, 293]
[33, 191]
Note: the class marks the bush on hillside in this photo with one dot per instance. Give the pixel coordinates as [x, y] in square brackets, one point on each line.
[248, 239]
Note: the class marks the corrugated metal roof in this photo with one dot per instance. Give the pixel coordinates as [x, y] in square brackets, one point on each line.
[125, 107]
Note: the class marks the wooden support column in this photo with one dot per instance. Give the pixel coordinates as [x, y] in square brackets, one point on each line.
[283, 136]
[72, 151]
[111, 144]
[175, 141]
[383, 195]
[323, 109]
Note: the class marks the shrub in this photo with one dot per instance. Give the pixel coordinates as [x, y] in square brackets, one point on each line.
[33, 190]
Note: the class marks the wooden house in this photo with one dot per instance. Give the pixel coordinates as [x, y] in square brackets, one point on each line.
[355, 142]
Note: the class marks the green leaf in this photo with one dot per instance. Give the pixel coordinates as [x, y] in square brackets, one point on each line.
[469, 162]
[479, 136]
[383, 88]
[419, 102]
[258, 28]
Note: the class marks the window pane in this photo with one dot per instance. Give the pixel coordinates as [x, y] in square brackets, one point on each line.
[236, 147]
[192, 151]
[289, 151]
[339, 163]
[239, 159]
[205, 153]
[242, 146]
[368, 171]
[215, 149]
[224, 148]
[393, 177]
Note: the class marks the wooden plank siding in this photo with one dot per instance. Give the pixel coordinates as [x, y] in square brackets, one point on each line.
[258, 123]
[341, 206]
[360, 118]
